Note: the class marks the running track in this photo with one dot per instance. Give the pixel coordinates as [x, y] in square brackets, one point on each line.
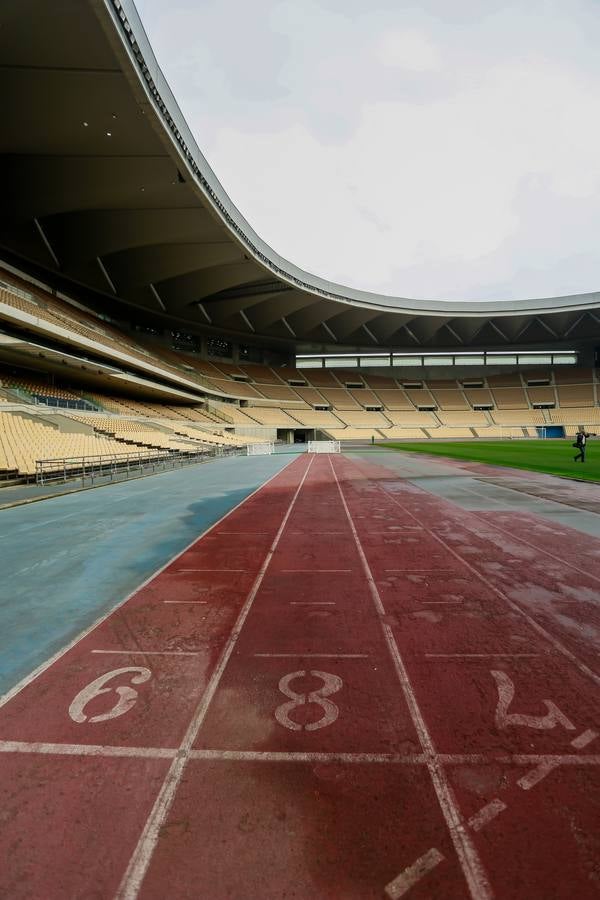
[337, 692]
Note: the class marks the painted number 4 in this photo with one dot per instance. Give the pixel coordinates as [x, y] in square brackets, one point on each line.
[506, 695]
[331, 685]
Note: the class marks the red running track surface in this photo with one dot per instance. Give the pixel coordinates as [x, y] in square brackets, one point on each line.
[346, 689]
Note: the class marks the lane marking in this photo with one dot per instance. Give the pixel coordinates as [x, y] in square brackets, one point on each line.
[538, 774]
[151, 652]
[589, 673]
[17, 531]
[140, 859]
[583, 739]
[283, 756]
[486, 814]
[477, 655]
[193, 602]
[39, 670]
[186, 571]
[312, 602]
[426, 571]
[86, 750]
[301, 655]
[515, 537]
[306, 757]
[312, 571]
[412, 874]
[472, 867]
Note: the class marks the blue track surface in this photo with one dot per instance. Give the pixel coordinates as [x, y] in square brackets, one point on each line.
[65, 561]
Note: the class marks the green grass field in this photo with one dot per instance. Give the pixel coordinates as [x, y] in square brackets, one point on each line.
[555, 457]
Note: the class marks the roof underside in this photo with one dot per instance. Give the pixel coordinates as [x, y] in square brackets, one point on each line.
[127, 207]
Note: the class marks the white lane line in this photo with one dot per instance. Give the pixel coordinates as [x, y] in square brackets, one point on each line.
[585, 738]
[412, 874]
[312, 602]
[39, 670]
[472, 867]
[478, 655]
[486, 814]
[312, 571]
[18, 531]
[86, 750]
[151, 652]
[253, 533]
[515, 537]
[283, 756]
[317, 532]
[186, 571]
[538, 774]
[589, 673]
[140, 859]
[303, 757]
[425, 571]
[193, 602]
[301, 655]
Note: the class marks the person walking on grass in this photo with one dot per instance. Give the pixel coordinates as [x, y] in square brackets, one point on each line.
[581, 443]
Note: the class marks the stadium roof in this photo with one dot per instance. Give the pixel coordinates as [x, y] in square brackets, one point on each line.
[105, 187]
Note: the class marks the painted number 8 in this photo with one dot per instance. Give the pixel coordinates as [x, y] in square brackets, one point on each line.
[331, 685]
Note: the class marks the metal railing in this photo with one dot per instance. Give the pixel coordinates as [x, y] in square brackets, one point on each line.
[61, 403]
[120, 466]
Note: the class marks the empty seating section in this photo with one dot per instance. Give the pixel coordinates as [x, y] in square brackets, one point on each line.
[573, 375]
[379, 382]
[575, 395]
[260, 374]
[510, 397]
[279, 392]
[506, 379]
[321, 378]
[314, 418]
[25, 439]
[518, 416]
[411, 417]
[236, 388]
[541, 394]
[454, 417]
[421, 397]
[406, 434]
[395, 399]
[132, 431]
[582, 416]
[311, 396]
[363, 419]
[339, 398]
[479, 396]
[365, 397]
[37, 387]
[276, 418]
[496, 431]
[354, 434]
[448, 398]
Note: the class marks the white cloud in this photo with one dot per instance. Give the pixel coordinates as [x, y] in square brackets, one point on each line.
[408, 50]
[393, 149]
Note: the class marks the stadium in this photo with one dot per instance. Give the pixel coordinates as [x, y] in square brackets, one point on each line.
[301, 583]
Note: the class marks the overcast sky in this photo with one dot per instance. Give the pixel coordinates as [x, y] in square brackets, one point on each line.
[439, 149]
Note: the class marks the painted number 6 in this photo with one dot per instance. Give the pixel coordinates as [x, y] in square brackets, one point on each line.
[331, 685]
[127, 694]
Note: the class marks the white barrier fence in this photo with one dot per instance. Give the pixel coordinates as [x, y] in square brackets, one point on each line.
[323, 447]
[264, 449]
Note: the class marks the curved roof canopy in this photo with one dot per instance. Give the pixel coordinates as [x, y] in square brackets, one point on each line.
[105, 186]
